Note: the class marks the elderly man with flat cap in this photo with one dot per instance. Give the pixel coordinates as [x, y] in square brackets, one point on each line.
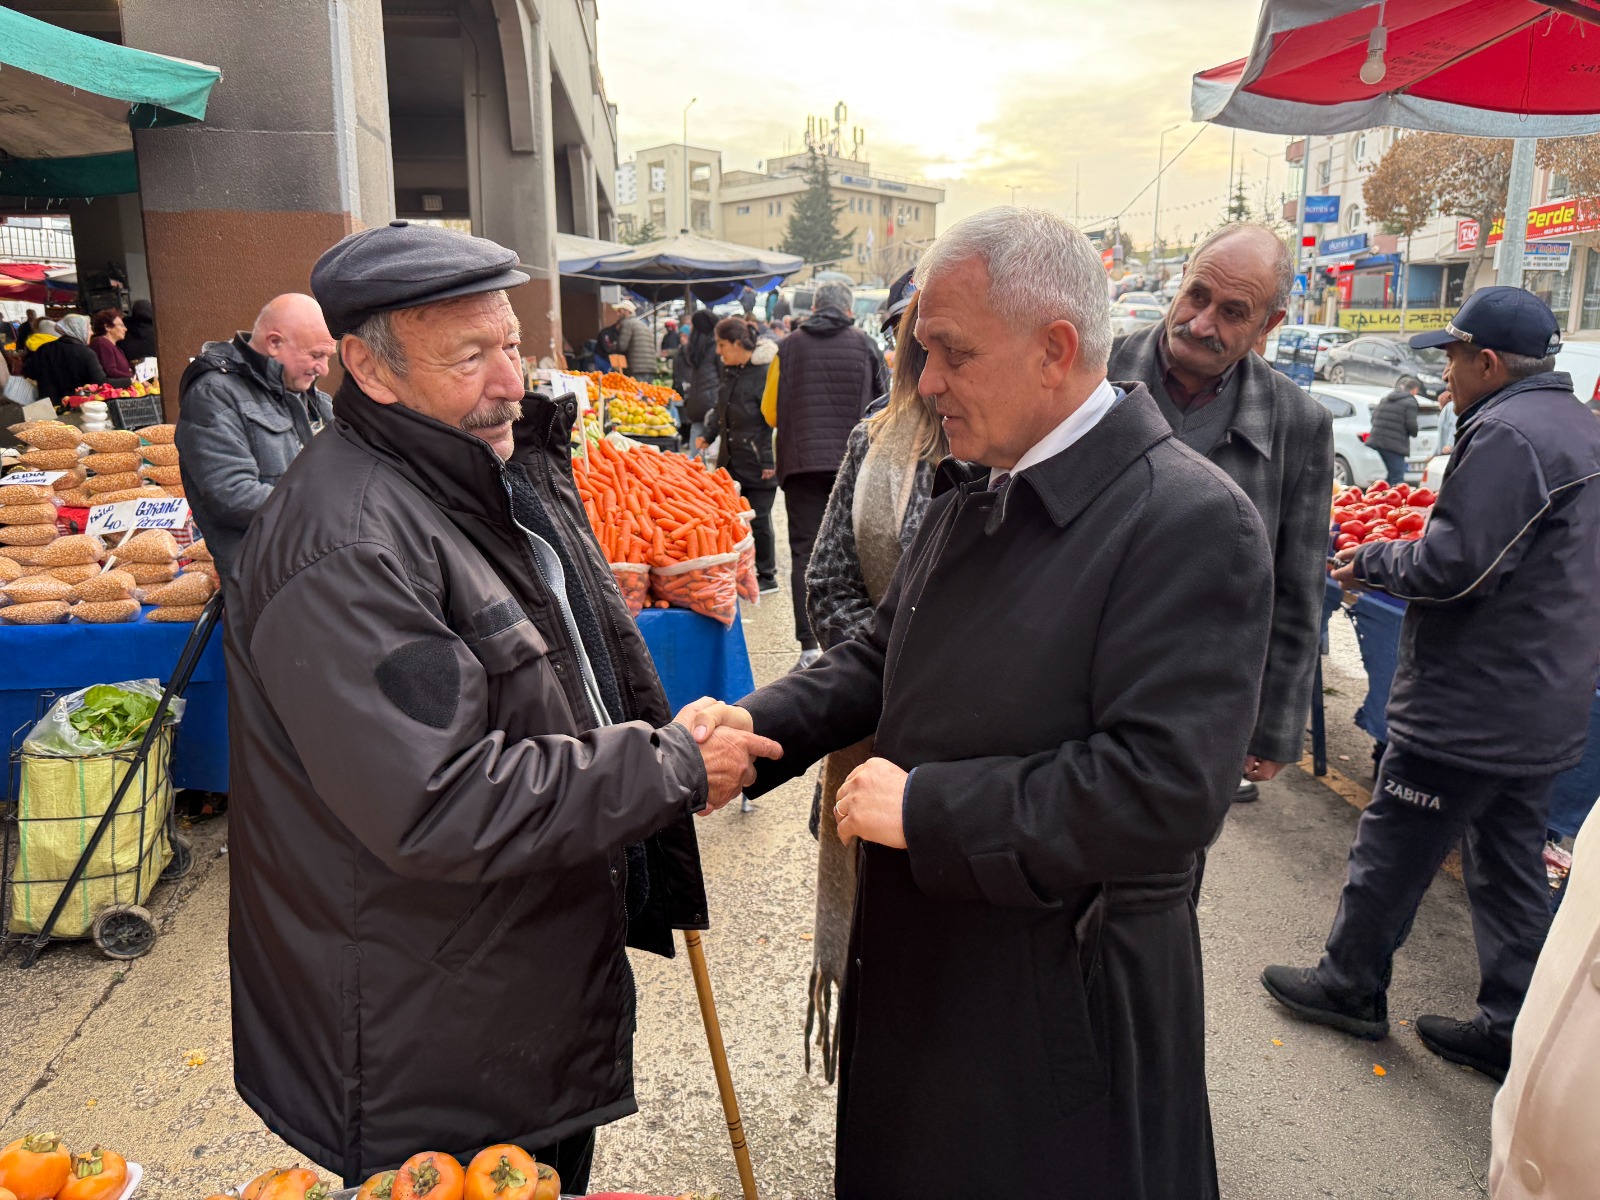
[458, 795]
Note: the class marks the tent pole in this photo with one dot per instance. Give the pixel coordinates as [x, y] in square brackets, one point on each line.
[1519, 199]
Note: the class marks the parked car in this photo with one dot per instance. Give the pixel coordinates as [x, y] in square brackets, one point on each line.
[1386, 362]
[1130, 318]
[1328, 336]
[1141, 298]
[1353, 460]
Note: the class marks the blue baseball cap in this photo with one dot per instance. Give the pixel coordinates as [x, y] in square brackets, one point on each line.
[1509, 319]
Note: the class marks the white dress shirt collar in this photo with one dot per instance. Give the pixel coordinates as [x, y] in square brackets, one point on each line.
[1084, 418]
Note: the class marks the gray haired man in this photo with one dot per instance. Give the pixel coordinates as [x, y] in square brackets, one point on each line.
[819, 386]
[1271, 438]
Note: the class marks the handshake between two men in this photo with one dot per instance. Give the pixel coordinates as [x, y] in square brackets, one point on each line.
[870, 800]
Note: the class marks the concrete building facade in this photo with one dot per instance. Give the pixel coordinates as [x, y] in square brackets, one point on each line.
[892, 219]
[337, 115]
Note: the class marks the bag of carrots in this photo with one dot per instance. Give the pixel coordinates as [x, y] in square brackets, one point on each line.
[708, 586]
[633, 580]
[749, 584]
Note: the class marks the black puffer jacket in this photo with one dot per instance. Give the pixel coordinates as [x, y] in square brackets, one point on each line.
[63, 366]
[1500, 645]
[703, 368]
[828, 372]
[746, 436]
[239, 428]
[428, 851]
[1394, 422]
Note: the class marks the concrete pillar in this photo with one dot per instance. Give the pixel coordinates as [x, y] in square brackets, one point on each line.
[294, 154]
[510, 157]
[109, 229]
[585, 194]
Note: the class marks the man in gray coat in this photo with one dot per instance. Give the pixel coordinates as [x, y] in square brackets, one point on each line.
[247, 407]
[1271, 438]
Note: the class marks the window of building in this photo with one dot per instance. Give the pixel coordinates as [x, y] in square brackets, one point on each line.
[1589, 316]
[1359, 147]
[700, 177]
[1554, 288]
[1324, 171]
[1353, 217]
[917, 213]
[780, 208]
[1560, 186]
[742, 210]
[658, 177]
[700, 215]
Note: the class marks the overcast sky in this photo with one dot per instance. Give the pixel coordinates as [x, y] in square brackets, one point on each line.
[979, 97]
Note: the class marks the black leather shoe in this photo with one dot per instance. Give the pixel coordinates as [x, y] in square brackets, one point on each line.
[1464, 1043]
[1300, 991]
[1246, 792]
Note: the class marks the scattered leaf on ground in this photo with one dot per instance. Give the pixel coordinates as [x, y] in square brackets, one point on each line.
[90, 1102]
[1377, 1070]
[805, 937]
[195, 1058]
[1405, 1022]
[1277, 1041]
[761, 941]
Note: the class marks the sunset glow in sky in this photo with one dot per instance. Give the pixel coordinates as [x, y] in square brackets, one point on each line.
[981, 98]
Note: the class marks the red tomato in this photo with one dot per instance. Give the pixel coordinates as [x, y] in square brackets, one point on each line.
[1349, 496]
[1381, 486]
[1421, 498]
[1412, 536]
[1358, 528]
[1402, 490]
[1410, 522]
[1346, 540]
[1373, 537]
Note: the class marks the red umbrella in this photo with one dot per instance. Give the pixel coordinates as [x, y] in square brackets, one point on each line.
[1488, 68]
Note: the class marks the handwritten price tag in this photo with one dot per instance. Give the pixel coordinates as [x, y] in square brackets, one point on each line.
[109, 519]
[37, 478]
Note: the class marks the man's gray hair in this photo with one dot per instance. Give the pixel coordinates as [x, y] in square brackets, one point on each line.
[1520, 366]
[377, 331]
[1041, 269]
[1282, 262]
[835, 295]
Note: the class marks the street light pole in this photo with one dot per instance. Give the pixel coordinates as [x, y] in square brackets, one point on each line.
[687, 223]
[1155, 233]
[1266, 185]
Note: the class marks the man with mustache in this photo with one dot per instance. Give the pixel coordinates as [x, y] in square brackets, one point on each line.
[457, 792]
[1273, 440]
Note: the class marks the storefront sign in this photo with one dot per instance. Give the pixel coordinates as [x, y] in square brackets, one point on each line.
[1560, 219]
[108, 519]
[885, 185]
[1547, 256]
[1344, 245]
[1322, 210]
[855, 180]
[1387, 320]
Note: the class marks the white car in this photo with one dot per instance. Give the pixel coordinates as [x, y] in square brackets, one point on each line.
[1581, 360]
[1353, 460]
[1327, 337]
[1130, 318]
[1139, 298]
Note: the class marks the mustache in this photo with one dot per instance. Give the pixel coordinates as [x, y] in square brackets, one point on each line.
[1211, 343]
[501, 414]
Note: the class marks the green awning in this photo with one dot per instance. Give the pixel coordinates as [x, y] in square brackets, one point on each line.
[69, 104]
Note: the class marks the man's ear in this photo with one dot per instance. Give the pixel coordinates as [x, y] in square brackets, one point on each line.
[371, 376]
[1060, 353]
[1275, 321]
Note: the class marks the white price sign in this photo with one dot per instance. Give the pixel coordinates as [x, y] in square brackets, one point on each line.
[37, 478]
[109, 519]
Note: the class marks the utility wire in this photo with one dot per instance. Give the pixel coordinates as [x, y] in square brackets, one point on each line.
[1160, 173]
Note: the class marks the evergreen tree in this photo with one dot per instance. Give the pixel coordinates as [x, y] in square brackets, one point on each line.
[1239, 204]
[813, 231]
[645, 233]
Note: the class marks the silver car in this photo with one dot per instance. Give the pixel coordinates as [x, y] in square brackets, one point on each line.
[1353, 460]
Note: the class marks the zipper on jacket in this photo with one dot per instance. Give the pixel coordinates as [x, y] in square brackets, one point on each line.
[567, 621]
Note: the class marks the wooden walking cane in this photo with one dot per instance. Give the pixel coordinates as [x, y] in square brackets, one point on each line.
[719, 1061]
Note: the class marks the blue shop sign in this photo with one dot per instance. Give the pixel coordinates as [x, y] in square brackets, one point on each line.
[885, 185]
[1322, 210]
[856, 180]
[1344, 245]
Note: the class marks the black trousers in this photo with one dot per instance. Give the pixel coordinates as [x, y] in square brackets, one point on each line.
[805, 496]
[1420, 807]
[761, 500]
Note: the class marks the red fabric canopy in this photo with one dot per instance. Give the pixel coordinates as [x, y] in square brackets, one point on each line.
[1494, 68]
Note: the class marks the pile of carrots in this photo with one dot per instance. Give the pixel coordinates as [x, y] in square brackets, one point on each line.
[658, 509]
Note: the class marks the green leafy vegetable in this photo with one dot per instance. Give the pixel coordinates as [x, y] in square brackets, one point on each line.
[113, 717]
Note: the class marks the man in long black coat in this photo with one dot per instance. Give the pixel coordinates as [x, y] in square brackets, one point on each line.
[1062, 679]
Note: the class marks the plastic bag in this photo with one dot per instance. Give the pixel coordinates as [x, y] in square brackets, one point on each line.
[708, 586]
[58, 737]
[633, 580]
[749, 585]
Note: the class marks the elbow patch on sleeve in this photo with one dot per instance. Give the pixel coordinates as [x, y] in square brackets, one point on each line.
[423, 680]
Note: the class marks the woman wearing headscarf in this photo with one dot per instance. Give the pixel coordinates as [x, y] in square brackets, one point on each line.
[66, 364]
[876, 507]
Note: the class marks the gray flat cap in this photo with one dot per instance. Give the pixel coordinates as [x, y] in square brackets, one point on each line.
[401, 265]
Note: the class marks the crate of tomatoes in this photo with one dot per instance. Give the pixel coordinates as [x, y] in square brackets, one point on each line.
[1383, 513]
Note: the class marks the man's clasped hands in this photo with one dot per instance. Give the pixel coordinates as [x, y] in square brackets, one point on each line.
[870, 800]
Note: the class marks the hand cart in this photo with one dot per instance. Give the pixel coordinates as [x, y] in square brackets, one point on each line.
[121, 929]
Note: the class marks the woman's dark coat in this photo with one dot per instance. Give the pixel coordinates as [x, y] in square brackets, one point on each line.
[1069, 669]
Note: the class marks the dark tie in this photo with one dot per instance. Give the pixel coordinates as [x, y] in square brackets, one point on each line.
[1000, 484]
